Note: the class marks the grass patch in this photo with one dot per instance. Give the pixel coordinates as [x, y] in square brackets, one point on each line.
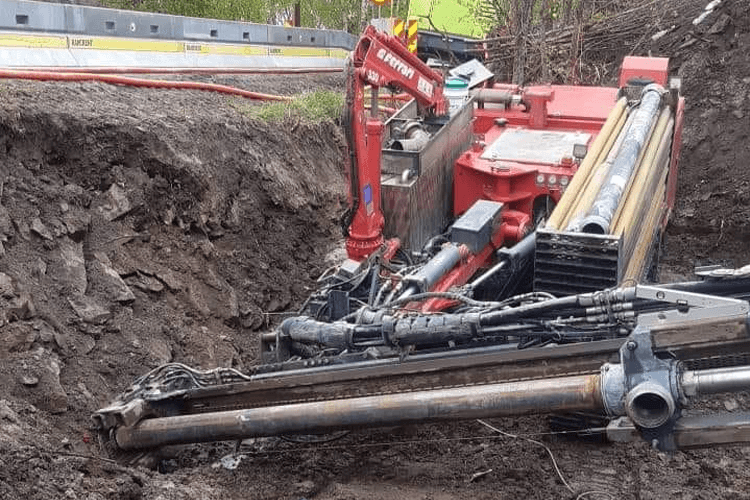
[315, 106]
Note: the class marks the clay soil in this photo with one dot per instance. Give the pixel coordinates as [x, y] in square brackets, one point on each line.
[145, 226]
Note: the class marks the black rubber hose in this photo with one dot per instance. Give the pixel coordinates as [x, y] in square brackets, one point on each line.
[535, 309]
[347, 118]
[374, 283]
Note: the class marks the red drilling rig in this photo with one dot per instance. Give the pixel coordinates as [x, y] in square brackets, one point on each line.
[499, 248]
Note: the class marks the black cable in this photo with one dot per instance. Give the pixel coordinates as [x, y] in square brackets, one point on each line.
[347, 119]
[320, 311]
[374, 283]
[405, 257]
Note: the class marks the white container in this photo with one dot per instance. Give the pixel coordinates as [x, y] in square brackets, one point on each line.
[457, 93]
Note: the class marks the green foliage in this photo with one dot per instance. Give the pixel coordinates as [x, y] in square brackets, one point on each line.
[315, 106]
[346, 15]
[248, 10]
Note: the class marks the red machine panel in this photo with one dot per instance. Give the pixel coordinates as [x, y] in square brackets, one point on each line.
[528, 149]
[655, 69]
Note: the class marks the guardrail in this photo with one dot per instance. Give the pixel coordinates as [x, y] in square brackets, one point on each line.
[30, 16]
[49, 35]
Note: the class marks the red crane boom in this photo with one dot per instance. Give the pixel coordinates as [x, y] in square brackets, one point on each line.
[379, 60]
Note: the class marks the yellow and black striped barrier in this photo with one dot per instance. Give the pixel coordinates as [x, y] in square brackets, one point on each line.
[18, 49]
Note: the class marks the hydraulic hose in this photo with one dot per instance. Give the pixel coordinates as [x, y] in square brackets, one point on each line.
[138, 82]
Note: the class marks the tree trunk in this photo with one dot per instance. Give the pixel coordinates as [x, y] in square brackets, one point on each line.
[576, 42]
[522, 21]
[543, 49]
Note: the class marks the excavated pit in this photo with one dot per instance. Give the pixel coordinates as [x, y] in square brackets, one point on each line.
[142, 226]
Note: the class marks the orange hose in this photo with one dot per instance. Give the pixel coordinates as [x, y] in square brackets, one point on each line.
[138, 82]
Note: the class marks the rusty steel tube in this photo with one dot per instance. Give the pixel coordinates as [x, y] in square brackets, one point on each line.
[572, 393]
[493, 96]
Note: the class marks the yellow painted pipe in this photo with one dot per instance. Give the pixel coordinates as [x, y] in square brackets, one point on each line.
[593, 183]
[638, 237]
[646, 202]
[574, 188]
[636, 267]
[653, 193]
[613, 136]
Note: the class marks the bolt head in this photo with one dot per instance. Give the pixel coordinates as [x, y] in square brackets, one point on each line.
[632, 345]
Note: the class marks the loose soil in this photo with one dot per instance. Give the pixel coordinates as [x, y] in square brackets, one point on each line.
[145, 226]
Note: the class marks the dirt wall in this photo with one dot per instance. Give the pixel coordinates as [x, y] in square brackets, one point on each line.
[142, 226]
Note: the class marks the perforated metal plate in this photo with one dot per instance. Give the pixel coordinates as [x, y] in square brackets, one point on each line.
[534, 146]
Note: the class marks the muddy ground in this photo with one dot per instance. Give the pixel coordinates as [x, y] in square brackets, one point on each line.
[143, 226]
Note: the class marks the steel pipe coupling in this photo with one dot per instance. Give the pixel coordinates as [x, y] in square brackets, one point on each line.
[613, 389]
[595, 224]
[649, 405]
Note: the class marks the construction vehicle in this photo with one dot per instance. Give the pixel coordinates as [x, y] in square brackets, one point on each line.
[450, 30]
[498, 248]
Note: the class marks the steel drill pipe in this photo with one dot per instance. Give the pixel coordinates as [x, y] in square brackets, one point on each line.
[574, 393]
[715, 380]
[638, 191]
[593, 183]
[600, 216]
[560, 214]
